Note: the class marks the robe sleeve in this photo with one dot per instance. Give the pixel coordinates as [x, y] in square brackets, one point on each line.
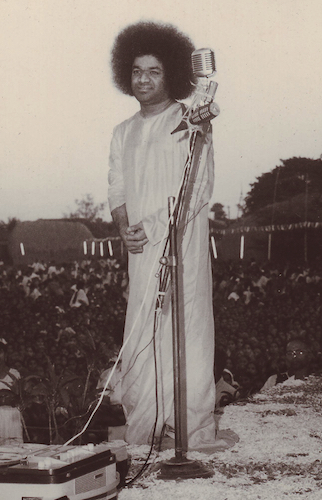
[116, 193]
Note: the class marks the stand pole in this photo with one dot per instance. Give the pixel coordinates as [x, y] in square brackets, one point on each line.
[177, 351]
[179, 467]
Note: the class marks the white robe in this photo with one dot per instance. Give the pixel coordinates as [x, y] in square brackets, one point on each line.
[146, 165]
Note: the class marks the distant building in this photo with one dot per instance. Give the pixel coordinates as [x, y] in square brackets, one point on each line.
[47, 240]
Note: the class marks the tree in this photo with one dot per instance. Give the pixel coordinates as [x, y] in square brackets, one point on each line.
[12, 221]
[87, 209]
[219, 212]
[296, 176]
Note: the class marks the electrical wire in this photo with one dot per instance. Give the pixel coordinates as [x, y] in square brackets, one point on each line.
[146, 462]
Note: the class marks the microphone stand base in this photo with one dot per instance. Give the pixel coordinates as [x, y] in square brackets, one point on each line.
[183, 468]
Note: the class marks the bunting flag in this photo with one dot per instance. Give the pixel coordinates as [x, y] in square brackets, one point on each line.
[91, 244]
[242, 246]
[110, 248]
[268, 229]
[104, 240]
[214, 249]
[235, 230]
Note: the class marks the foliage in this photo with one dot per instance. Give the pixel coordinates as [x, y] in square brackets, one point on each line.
[61, 404]
[65, 398]
[12, 221]
[47, 392]
[87, 209]
[89, 214]
[294, 177]
[219, 212]
[100, 228]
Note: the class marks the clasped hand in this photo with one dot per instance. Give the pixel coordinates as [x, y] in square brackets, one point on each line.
[135, 238]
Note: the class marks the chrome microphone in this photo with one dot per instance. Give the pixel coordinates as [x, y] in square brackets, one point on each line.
[203, 67]
[202, 109]
[203, 63]
[203, 114]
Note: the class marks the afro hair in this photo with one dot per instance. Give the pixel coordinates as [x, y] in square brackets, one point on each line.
[164, 42]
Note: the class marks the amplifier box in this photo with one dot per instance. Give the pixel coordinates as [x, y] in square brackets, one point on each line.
[57, 472]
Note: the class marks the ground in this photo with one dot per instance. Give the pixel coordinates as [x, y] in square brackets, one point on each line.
[278, 456]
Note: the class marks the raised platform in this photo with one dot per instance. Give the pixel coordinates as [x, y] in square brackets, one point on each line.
[278, 456]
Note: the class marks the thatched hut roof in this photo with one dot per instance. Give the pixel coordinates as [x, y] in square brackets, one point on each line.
[51, 239]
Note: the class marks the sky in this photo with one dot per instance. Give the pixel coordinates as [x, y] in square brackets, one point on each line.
[59, 106]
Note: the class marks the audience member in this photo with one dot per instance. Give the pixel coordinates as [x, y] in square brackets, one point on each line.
[10, 417]
[298, 358]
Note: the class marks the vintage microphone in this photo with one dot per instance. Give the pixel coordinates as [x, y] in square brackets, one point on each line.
[203, 62]
[203, 108]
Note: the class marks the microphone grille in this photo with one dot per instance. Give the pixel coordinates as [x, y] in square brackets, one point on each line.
[203, 62]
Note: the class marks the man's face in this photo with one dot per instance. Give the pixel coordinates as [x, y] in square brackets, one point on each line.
[148, 80]
[297, 355]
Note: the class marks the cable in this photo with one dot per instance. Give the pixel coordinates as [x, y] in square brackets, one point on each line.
[145, 465]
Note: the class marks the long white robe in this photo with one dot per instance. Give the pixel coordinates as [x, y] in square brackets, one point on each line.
[146, 165]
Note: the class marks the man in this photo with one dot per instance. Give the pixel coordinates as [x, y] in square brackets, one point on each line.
[79, 297]
[152, 62]
[298, 360]
[227, 390]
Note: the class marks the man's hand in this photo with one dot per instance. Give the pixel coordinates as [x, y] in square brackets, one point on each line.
[135, 238]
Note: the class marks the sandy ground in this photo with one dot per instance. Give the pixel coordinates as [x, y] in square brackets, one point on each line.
[278, 456]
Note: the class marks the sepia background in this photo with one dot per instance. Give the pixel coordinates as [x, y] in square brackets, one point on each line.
[59, 106]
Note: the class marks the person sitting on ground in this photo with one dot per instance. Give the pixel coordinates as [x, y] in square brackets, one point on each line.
[10, 417]
[298, 360]
[226, 389]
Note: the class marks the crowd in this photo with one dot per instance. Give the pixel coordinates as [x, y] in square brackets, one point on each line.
[258, 310]
[62, 325]
[51, 310]
[68, 319]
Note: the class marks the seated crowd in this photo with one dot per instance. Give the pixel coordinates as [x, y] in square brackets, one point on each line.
[62, 325]
[48, 311]
[66, 321]
[258, 310]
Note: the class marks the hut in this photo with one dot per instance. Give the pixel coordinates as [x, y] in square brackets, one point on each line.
[47, 240]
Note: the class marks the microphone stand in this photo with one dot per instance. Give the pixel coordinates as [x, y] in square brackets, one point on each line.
[180, 467]
[176, 338]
